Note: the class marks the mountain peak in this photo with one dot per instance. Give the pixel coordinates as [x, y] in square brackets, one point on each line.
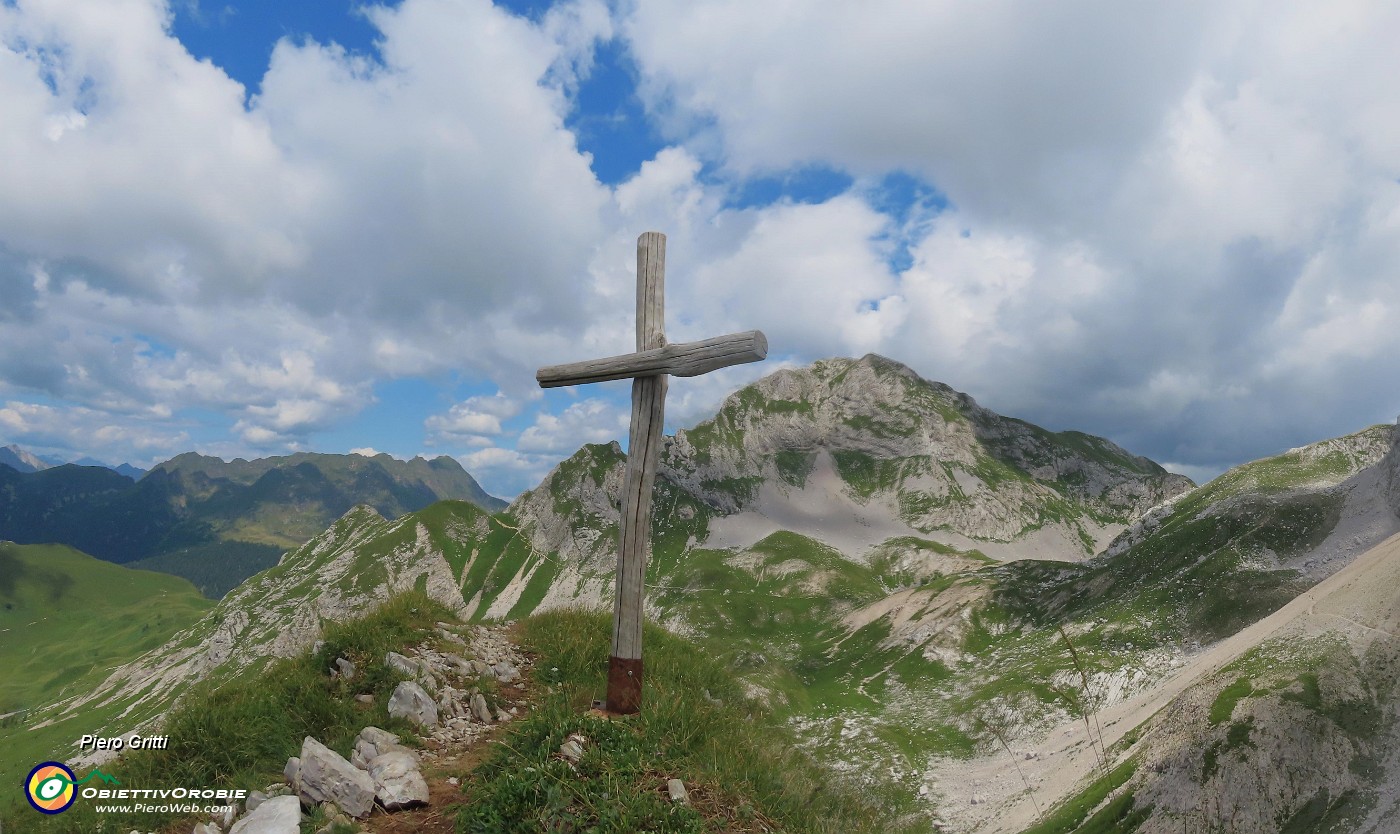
[21, 460]
[884, 364]
[886, 445]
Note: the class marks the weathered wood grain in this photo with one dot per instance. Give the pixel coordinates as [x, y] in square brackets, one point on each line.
[643, 447]
[650, 369]
[680, 359]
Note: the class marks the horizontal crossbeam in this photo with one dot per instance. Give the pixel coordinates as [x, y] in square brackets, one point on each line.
[680, 359]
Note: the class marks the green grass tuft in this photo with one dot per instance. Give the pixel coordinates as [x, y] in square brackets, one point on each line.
[1070, 816]
[1224, 705]
[239, 734]
[695, 725]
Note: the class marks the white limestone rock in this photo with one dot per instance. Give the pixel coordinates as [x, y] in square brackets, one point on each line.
[401, 664]
[479, 708]
[676, 788]
[278, 815]
[383, 740]
[411, 702]
[327, 777]
[397, 782]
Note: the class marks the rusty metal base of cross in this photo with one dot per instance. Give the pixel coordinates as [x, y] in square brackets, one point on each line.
[624, 685]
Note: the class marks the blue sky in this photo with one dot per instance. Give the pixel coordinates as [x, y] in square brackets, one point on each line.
[608, 121]
[249, 228]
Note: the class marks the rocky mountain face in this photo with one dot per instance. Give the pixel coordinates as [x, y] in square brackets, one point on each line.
[1389, 477]
[931, 456]
[1237, 653]
[1250, 540]
[856, 452]
[20, 460]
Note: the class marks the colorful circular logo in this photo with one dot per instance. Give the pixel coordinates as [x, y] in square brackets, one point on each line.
[49, 787]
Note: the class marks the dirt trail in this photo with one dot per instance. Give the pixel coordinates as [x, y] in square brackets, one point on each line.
[447, 761]
[1364, 590]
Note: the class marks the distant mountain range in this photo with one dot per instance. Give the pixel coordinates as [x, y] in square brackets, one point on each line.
[22, 460]
[216, 523]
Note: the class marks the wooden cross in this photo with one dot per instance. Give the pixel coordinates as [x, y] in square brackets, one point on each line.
[648, 368]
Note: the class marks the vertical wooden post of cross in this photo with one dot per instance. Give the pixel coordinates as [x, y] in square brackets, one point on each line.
[643, 448]
[648, 368]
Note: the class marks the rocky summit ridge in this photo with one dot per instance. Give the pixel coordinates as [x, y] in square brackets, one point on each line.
[866, 447]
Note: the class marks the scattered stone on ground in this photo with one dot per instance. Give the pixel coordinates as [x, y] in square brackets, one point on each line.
[479, 708]
[445, 698]
[572, 748]
[401, 664]
[410, 701]
[679, 794]
[397, 782]
[277, 815]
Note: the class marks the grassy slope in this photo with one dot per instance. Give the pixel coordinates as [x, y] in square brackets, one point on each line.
[696, 725]
[736, 760]
[239, 734]
[68, 617]
[1204, 572]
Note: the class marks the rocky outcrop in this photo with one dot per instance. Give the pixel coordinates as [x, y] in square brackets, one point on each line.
[361, 561]
[1390, 468]
[411, 702]
[325, 776]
